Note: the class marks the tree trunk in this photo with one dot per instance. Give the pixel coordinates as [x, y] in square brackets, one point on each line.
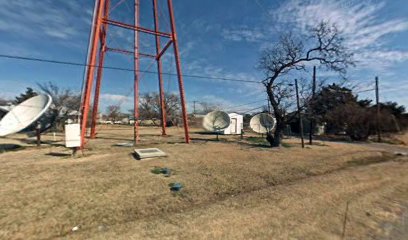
[274, 139]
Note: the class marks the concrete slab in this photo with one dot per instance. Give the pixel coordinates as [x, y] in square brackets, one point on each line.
[149, 153]
[125, 144]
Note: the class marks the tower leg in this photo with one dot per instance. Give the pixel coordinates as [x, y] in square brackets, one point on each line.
[179, 73]
[136, 73]
[97, 93]
[91, 70]
[160, 69]
[102, 52]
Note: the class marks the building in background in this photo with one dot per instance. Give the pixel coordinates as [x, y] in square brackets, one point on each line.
[236, 124]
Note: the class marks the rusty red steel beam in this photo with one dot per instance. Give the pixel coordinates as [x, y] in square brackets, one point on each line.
[136, 133]
[159, 68]
[124, 51]
[118, 50]
[101, 58]
[179, 72]
[164, 49]
[135, 28]
[91, 70]
[147, 55]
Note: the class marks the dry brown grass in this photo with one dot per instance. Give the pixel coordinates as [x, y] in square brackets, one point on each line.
[233, 190]
[403, 138]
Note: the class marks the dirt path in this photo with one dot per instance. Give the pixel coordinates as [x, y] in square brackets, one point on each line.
[386, 147]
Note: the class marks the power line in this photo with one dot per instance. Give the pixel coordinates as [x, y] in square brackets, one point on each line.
[247, 103]
[236, 106]
[253, 109]
[122, 69]
[43, 60]
[367, 90]
[394, 89]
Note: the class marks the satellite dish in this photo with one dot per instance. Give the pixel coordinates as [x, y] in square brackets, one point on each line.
[3, 111]
[262, 123]
[24, 114]
[216, 121]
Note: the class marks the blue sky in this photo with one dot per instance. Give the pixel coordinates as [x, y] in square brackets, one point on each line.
[217, 38]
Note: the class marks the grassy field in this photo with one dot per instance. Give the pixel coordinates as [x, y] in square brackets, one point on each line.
[233, 189]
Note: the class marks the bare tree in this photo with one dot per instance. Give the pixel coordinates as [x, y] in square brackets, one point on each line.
[323, 46]
[65, 102]
[172, 102]
[150, 107]
[113, 112]
[207, 107]
[29, 93]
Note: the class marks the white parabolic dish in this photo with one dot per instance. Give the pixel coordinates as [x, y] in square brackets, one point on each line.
[262, 123]
[216, 121]
[24, 114]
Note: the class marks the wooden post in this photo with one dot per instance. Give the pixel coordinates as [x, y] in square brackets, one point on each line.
[311, 107]
[377, 99]
[38, 133]
[194, 107]
[299, 114]
[343, 233]
[74, 151]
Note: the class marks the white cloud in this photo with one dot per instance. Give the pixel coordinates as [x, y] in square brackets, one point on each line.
[380, 60]
[243, 33]
[42, 18]
[124, 102]
[219, 101]
[115, 98]
[241, 88]
[364, 32]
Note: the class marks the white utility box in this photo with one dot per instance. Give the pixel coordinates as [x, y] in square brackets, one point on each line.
[72, 135]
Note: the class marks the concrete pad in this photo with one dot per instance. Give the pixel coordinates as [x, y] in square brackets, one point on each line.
[149, 153]
[125, 144]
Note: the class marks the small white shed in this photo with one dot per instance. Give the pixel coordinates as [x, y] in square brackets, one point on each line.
[236, 124]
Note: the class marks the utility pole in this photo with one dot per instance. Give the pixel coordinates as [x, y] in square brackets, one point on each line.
[194, 107]
[311, 107]
[377, 99]
[299, 114]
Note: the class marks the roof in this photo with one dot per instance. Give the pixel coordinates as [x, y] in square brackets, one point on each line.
[234, 114]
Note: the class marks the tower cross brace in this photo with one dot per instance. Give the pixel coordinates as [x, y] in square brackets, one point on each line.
[97, 52]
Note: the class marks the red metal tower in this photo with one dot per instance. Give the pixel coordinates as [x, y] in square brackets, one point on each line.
[101, 21]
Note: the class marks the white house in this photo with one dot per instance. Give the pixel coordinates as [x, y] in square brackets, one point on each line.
[236, 124]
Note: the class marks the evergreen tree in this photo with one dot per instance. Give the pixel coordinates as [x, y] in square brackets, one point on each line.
[29, 93]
